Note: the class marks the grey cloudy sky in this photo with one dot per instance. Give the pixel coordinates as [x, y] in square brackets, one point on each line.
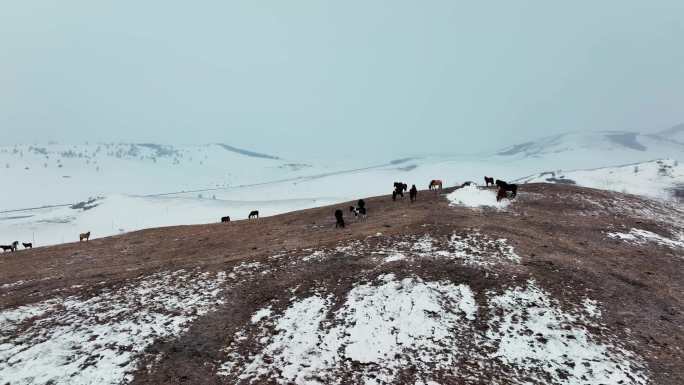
[295, 76]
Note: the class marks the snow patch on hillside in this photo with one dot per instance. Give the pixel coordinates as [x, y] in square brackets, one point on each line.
[473, 196]
[99, 340]
[539, 341]
[639, 236]
[475, 248]
[469, 247]
[385, 326]
[435, 330]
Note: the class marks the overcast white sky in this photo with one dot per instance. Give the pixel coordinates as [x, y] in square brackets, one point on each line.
[286, 77]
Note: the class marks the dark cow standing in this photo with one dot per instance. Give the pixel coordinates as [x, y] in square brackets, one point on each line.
[27, 245]
[413, 193]
[225, 219]
[489, 180]
[253, 214]
[339, 219]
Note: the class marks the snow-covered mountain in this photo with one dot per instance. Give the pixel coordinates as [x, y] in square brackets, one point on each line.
[596, 149]
[59, 174]
[662, 179]
[675, 133]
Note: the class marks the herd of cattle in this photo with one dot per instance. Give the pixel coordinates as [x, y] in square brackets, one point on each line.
[359, 211]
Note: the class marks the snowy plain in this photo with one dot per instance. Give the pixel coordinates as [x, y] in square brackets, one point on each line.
[137, 186]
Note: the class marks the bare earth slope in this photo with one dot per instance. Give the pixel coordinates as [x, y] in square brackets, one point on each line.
[566, 285]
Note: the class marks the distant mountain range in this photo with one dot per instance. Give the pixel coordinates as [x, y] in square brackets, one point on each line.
[666, 143]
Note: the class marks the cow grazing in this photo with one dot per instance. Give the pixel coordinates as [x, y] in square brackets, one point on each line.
[339, 219]
[83, 236]
[413, 193]
[225, 219]
[489, 180]
[27, 245]
[435, 184]
[253, 214]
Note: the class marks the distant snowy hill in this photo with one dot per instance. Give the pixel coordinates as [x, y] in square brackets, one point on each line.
[56, 174]
[675, 133]
[595, 149]
[663, 179]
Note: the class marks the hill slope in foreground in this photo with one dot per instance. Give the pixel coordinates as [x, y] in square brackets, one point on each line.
[565, 285]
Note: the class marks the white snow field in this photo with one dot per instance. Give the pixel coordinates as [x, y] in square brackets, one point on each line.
[146, 185]
[116, 214]
[654, 179]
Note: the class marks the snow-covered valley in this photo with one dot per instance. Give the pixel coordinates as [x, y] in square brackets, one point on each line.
[136, 186]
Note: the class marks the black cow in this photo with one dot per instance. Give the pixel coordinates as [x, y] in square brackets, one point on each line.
[225, 219]
[253, 214]
[489, 180]
[27, 245]
[339, 219]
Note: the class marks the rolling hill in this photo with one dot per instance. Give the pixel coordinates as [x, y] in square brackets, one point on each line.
[564, 285]
[136, 186]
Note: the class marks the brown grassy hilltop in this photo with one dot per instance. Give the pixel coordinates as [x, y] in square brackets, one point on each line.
[587, 284]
